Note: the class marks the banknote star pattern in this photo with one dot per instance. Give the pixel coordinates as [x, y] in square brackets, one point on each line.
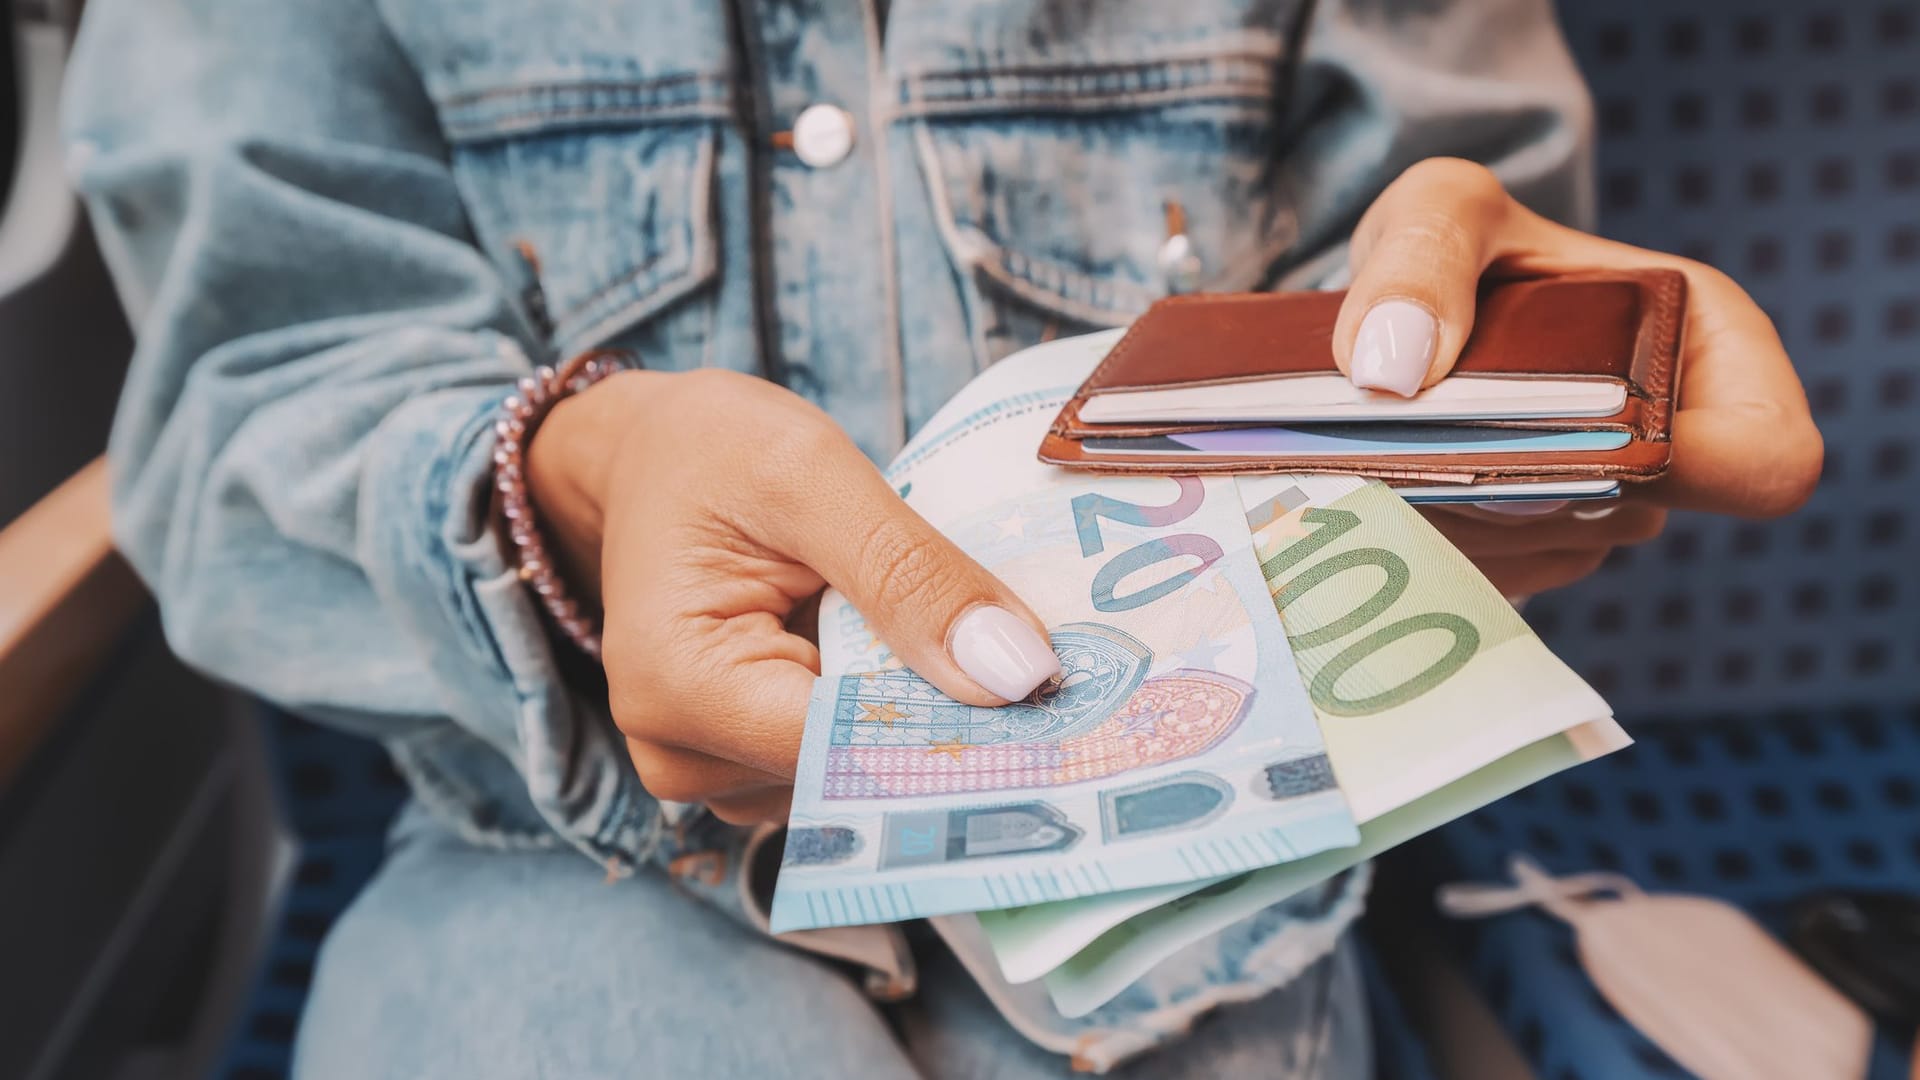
[882, 712]
[1013, 526]
[952, 748]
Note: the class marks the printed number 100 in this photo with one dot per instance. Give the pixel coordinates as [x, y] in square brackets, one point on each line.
[1324, 687]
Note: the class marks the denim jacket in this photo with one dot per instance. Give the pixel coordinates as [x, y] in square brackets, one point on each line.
[344, 227]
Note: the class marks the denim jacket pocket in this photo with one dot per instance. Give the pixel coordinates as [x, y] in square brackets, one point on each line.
[583, 139]
[1068, 193]
[598, 229]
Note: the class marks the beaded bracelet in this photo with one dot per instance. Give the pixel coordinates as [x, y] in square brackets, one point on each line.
[521, 414]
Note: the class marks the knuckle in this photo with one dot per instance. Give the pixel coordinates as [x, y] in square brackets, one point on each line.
[1713, 279]
[635, 713]
[905, 567]
[718, 396]
[807, 437]
[796, 445]
[661, 774]
[1440, 169]
[638, 698]
[704, 392]
[1466, 182]
[1791, 474]
[1791, 487]
[717, 381]
[1436, 235]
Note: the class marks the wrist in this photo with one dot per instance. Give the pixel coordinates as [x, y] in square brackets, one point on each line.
[569, 464]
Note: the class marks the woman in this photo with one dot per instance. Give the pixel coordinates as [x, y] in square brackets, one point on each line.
[346, 228]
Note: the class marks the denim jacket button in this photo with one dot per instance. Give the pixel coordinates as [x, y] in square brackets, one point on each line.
[823, 135]
[1180, 263]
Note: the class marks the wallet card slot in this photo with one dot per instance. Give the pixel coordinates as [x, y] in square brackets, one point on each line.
[1619, 327]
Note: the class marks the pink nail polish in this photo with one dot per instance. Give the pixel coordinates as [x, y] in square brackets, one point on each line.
[1394, 347]
[998, 650]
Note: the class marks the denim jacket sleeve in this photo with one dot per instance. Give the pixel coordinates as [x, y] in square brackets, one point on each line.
[1383, 84]
[301, 458]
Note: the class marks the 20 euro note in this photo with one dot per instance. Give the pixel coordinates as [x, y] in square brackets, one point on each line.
[1179, 744]
[1422, 675]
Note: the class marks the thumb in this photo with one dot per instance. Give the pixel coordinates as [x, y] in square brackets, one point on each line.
[1417, 258]
[952, 622]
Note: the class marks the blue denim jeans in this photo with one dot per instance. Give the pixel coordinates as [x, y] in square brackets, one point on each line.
[467, 962]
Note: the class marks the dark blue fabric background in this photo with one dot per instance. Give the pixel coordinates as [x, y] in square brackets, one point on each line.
[1770, 671]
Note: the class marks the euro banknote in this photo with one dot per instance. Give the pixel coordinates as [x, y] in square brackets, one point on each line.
[1421, 673]
[1179, 744]
[1099, 972]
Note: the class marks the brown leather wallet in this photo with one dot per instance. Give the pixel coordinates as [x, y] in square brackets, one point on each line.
[1616, 326]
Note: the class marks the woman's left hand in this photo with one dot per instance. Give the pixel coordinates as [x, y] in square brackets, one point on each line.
[1744, 442]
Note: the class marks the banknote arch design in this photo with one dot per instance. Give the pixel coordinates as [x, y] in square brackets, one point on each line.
[926, 837]
[1185, 800]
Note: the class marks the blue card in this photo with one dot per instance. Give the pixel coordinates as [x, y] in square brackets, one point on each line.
[1360, 440]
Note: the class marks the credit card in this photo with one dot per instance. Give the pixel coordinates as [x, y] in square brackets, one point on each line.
[1358, 440]
[1556, 490]
[1332, 398]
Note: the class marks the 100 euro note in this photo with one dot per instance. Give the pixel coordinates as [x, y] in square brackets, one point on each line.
[1425, 680]
[1100, 972]
[1179, 744]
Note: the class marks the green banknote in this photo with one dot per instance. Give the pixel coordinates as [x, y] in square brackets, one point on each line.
[1096, 974]
[1420, 671]
[1422, 676]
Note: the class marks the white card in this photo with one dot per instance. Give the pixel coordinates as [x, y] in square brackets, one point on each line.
[1514, 492]
[1330, 397]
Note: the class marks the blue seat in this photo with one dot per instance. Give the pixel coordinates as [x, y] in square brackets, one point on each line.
[1754, 809]
[1781, 144]
[337, 794]
[1771, 672]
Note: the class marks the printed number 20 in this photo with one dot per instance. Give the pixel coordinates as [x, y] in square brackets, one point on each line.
[1090, 508]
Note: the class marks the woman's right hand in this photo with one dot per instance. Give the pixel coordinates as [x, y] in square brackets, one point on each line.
[701, 509]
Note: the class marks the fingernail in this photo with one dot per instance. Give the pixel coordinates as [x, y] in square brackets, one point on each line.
[998, 650]
[1528, 508]
[1596, 515]
[1394, 347]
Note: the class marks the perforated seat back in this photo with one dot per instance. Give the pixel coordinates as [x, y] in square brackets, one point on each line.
[1779, 141]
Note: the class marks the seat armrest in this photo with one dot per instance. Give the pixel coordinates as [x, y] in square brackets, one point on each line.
[1462, 1034]
[65, 598]
[1463, 1037]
